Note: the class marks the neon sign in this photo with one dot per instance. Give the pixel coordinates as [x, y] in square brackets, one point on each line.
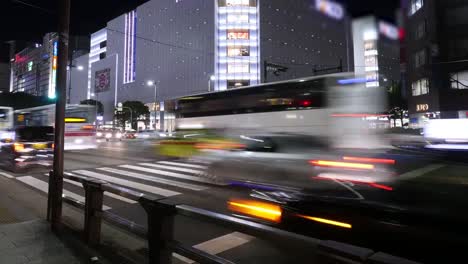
[53, 78]
[330, 8]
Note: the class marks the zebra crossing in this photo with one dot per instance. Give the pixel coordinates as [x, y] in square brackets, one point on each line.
[160, 178]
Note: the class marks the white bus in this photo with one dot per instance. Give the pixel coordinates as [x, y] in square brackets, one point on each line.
[80, 129]
[6, 122]
[335, 106]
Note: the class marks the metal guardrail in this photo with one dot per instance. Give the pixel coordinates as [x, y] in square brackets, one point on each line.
[160, 231]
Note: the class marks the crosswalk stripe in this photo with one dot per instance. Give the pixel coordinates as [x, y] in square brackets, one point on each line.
[44, 187]
[182, 164]
[166, 173]
[154, 179]
[171, 168]
[219, 245]
[130, 184]
[6, 175]
[115, 196]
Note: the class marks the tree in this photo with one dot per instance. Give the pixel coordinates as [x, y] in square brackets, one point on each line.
[132, 110]
[98, 104]
[398, 105]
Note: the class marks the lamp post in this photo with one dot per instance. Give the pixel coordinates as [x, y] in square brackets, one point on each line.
[152, 83]
[212, 79]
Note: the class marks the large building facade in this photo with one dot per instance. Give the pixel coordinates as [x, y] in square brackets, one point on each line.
[165, 49]
[34, 69]
[437, 49]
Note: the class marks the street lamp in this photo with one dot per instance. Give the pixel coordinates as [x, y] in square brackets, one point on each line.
[152, 83]
[212, 79]
[80, 68]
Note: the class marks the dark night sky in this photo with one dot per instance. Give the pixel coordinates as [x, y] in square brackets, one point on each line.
[28, 24]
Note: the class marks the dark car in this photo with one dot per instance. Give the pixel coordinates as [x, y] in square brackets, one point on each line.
[397, 220]
[29, 147]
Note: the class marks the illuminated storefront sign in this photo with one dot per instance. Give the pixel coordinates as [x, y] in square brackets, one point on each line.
[330, 8]
[237, 2]
[422, 107]
[53, 76]
[238, 34]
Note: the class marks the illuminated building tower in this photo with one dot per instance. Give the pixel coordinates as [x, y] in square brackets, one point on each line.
[237, 55]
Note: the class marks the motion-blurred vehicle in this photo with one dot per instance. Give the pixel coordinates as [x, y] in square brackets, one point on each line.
[291, 160]
[350, 213]
[148, 134]
[129, 134]
[80, 132]
[29, 147]
[109, 134]
[6, 122]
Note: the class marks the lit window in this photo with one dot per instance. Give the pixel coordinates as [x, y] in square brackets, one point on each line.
[235, 18]
[237, 2]
[420, 30]
[459, 80]
[414, 6]
[235, 84]
[238, 34]
[238, 68]
[129, 47]
[420, 58]
[420, 87]
[238, 51]
[30, 65]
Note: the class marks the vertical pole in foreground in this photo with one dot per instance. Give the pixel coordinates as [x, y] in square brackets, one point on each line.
[56, 181]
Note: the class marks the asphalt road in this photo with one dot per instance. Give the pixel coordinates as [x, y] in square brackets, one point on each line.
[134, 165]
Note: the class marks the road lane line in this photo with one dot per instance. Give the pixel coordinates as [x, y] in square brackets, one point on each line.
[154, 179]
[171, 168]
[219, 245]
[130, 184]
[166, 173]
[44, 187]
[6, 175]
[183, 164]
[115, 196]
[420, 172]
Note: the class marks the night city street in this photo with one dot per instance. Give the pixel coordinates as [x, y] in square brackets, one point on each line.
[233, 131]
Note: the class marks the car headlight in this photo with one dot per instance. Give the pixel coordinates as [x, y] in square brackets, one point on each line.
[108, 135]
[99, 134]
[118, 135]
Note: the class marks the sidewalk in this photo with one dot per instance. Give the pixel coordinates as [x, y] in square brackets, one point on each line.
[25, 236]
[33, 242]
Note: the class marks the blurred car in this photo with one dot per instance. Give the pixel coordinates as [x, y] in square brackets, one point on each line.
[129, 134]
[292, 160]
[413, 229]
[29, 147]
[109, 134]
[147, 134]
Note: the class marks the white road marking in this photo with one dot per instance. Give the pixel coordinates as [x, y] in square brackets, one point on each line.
[183, 164]
[126, 183]
[154, 179]
[115, 196]
[44, 187]
[171, 168]
[420, 172]
[166, 173]
[6, 175]
[219, 245]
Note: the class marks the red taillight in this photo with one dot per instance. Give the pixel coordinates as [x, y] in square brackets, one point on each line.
[370, 160]
[18, 147]
[342, 165]
[306, 103]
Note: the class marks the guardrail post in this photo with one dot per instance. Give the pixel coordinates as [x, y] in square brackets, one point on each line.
[93, 211]
[160, 229]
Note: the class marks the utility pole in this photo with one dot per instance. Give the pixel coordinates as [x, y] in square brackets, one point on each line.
[54, 212]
